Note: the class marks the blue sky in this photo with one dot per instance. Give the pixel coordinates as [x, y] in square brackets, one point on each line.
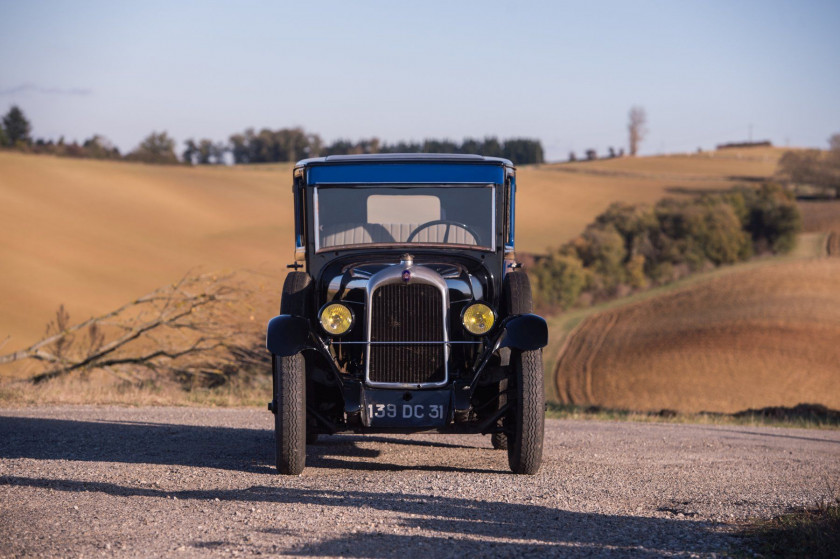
[564, 72]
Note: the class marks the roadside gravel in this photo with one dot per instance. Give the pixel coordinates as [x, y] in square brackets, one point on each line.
[188, 482]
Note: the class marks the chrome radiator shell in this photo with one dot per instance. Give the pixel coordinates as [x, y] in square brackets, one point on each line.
[395, 299]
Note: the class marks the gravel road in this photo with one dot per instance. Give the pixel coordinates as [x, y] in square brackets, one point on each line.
[187, 482]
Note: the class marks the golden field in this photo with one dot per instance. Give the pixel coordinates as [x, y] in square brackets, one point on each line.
[762, 336]
[92, 235]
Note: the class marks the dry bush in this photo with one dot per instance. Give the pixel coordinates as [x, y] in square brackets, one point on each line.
[195, 332]
[813, 172]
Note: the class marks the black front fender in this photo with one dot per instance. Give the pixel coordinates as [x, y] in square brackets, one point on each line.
[525, 332]
[287, 335]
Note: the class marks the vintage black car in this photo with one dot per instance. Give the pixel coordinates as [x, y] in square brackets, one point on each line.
[406, 311]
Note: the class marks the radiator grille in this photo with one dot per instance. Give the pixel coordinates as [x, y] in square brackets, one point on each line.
[407, 313]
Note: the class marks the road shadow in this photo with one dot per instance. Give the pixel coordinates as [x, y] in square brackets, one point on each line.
[747, 431]
[458, 526]
[240, 449]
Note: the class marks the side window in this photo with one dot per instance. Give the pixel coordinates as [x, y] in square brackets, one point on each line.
[300, 220]
[511, 217]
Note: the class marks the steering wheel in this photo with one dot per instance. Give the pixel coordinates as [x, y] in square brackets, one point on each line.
[449, 225]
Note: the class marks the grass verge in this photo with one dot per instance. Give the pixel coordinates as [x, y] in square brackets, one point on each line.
[802, 416]
[246, 390]
[812, 533]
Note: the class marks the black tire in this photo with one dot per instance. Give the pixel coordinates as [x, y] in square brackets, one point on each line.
[500, 440]
[516, 299]
[526, 422]
[290, 416]
[516, 294]
[296, 294]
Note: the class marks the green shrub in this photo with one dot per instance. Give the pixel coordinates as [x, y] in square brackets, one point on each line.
[632, 246]
[559, 280]
[773, 218]
[603, 252]
[635, 272]
[717, 231]
[633, 222]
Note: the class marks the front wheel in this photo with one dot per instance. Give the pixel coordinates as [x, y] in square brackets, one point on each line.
[526, 421]
[290, 413]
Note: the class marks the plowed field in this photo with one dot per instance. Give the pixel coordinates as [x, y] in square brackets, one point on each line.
[763, 337]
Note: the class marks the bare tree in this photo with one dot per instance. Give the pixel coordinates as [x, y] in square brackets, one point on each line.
[636, 128]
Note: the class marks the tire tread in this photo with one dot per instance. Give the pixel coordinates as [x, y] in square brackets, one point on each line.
[290, 419]
[525, 450]
[516, 290]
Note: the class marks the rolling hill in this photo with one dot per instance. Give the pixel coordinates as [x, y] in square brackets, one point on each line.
[755, 337]
[94, 234]
[555, 202]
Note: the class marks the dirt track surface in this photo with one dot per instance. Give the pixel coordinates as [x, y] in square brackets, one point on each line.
[186, 482]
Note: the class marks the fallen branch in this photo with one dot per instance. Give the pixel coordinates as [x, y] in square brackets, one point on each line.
[187, 329]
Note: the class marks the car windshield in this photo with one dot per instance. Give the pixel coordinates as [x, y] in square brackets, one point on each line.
[398, 215]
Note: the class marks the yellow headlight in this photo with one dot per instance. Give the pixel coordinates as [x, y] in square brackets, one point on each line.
[336, 319]
[479, 319]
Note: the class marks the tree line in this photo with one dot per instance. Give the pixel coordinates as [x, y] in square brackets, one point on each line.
[292, 144]
[250, 146]
[16, 133]
[631, 247]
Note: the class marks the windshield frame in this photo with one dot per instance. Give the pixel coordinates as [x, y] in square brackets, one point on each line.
[373, 186]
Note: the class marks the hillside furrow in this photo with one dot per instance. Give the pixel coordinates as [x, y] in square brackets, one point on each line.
[573, 372]
[759, 337]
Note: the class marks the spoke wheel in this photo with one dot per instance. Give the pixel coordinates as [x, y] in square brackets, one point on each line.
[526, 421]
[290, 416]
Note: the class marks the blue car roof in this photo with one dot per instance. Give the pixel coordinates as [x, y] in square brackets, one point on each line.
[404, 168]
[396, 157]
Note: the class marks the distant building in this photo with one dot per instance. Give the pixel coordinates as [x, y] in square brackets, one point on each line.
[762, 144]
